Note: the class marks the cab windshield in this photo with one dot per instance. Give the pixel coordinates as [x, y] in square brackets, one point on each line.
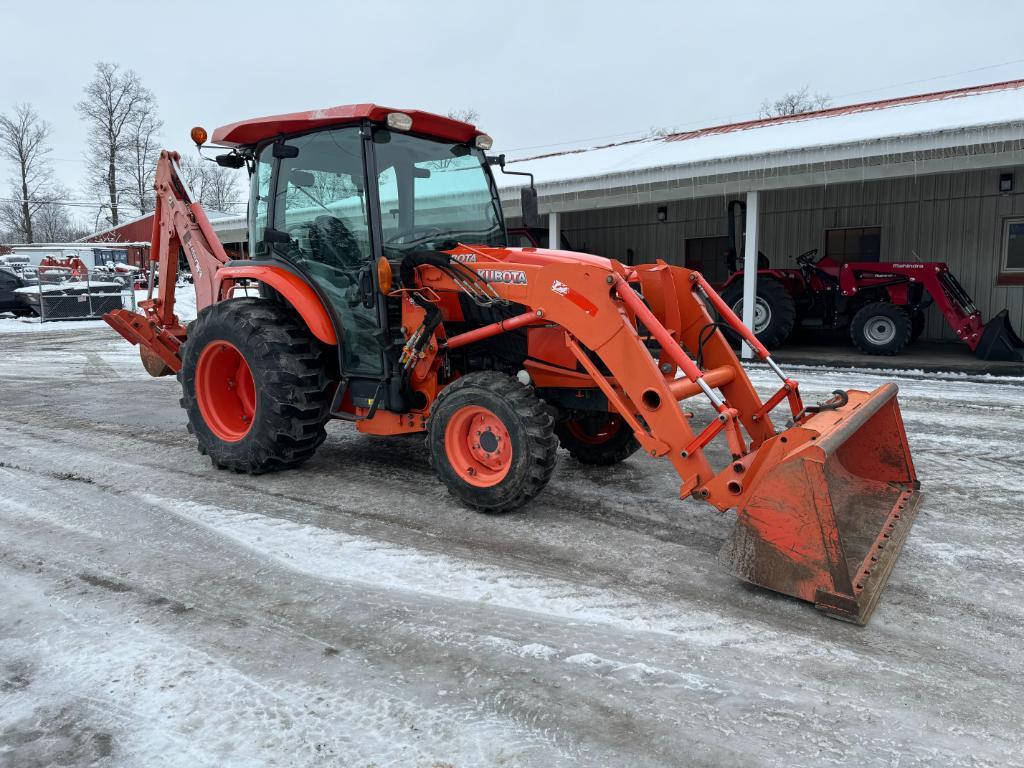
[434, 194]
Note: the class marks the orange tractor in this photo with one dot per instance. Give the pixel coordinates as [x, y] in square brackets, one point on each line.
[389, 298]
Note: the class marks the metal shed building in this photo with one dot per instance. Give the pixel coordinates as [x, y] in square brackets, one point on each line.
[931, 177]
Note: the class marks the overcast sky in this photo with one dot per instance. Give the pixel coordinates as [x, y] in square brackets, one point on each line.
[542, 75]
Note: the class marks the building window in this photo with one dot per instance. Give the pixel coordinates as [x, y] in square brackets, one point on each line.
[1011, 265]
[853, 244]
[707, 256]
[1013, 246]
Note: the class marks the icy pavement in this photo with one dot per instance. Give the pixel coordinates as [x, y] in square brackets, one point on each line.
[156, 612]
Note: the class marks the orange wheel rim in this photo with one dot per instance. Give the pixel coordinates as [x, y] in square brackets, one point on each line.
[600, 436]
[225, 391]
[478, 446]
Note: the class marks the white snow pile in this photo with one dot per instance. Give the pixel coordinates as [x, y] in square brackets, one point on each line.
[78, 285]
[184, 308]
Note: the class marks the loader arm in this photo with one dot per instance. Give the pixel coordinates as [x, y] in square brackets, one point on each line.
[822, 507]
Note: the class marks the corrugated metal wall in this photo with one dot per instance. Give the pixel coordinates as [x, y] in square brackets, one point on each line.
[957, 218]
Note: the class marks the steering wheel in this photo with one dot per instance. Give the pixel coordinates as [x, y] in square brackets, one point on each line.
[807, 259]
[414, 236]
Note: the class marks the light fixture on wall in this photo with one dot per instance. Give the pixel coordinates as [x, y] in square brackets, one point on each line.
[662, 213]
[1006, 182]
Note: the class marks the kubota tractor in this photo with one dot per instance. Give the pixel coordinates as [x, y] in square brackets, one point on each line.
[389, 298]
[882, 305]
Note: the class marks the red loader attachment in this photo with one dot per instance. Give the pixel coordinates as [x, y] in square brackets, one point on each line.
[998, 340]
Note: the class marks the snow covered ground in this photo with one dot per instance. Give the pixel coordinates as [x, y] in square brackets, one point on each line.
[157, 612]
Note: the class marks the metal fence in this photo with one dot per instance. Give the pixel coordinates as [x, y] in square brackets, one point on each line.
[65, 294]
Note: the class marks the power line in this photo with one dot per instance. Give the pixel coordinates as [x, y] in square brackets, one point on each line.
[72, 203]
[747, 115]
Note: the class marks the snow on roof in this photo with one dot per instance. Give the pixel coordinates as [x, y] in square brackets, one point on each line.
[998, 104]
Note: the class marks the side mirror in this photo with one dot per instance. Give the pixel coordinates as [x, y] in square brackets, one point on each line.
[527, 195]
[528, 203]
[230, 160]
[284, 151]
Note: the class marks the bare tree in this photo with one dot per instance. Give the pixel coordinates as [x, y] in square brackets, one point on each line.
[24, 141]
[53, 222]
[115, 100]
[139, 159]
[468, 115]
[213, 186]
[795, 103]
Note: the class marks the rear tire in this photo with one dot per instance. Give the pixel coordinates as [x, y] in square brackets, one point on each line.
[881, 328]
[595, 440]
[254, 386]
[491, 442]
[774, 314]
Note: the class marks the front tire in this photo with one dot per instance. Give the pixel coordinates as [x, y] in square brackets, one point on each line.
[774, 312]
[491, 441]
[881, 328]
[602, 439]
[254, 386]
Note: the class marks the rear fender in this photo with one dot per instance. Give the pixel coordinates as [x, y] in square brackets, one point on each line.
[293, 288]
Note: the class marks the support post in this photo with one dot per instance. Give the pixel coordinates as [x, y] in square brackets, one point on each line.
[750, 268]
[554, 235]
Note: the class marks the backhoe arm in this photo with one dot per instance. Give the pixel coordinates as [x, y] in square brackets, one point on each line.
[179, 225]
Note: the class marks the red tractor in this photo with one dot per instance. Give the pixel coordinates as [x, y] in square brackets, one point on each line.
[882, 305]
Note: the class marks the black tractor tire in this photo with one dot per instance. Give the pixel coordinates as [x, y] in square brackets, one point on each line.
[918, 321]
[506, 408]
[289, 388]
[881, 328]
[596, 440]
[774, 303]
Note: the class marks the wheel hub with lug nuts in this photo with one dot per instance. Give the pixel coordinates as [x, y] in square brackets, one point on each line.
[880, 330]
[762, 313]
[478, 446]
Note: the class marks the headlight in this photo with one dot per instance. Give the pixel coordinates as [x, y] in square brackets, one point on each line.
[399, 121]
[484, 142]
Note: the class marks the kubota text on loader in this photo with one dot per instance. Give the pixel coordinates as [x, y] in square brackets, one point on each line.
[388, 297]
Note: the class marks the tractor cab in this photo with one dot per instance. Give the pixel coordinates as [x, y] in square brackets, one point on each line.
[331, 198]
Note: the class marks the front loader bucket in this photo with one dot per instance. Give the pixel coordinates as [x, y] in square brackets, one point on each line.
[830, 507]
[998, 340]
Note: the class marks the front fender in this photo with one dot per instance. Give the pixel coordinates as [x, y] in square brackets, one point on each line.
[295, 290]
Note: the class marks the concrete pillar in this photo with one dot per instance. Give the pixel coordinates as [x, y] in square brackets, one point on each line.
[554, 235]
[750, 268]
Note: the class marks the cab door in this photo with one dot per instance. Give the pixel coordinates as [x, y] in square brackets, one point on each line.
[320, 216]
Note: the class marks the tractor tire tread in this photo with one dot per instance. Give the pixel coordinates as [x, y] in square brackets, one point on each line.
[901, 318]
[538, 424]
[781, 303]
[293, 390]
[614, 451]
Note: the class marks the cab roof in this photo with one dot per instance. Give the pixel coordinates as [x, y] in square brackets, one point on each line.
[249, 132]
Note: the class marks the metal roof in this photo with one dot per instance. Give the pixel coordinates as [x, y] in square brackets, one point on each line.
[980, 126]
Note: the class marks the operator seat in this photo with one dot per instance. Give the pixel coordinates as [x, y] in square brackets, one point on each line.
[331, 242]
